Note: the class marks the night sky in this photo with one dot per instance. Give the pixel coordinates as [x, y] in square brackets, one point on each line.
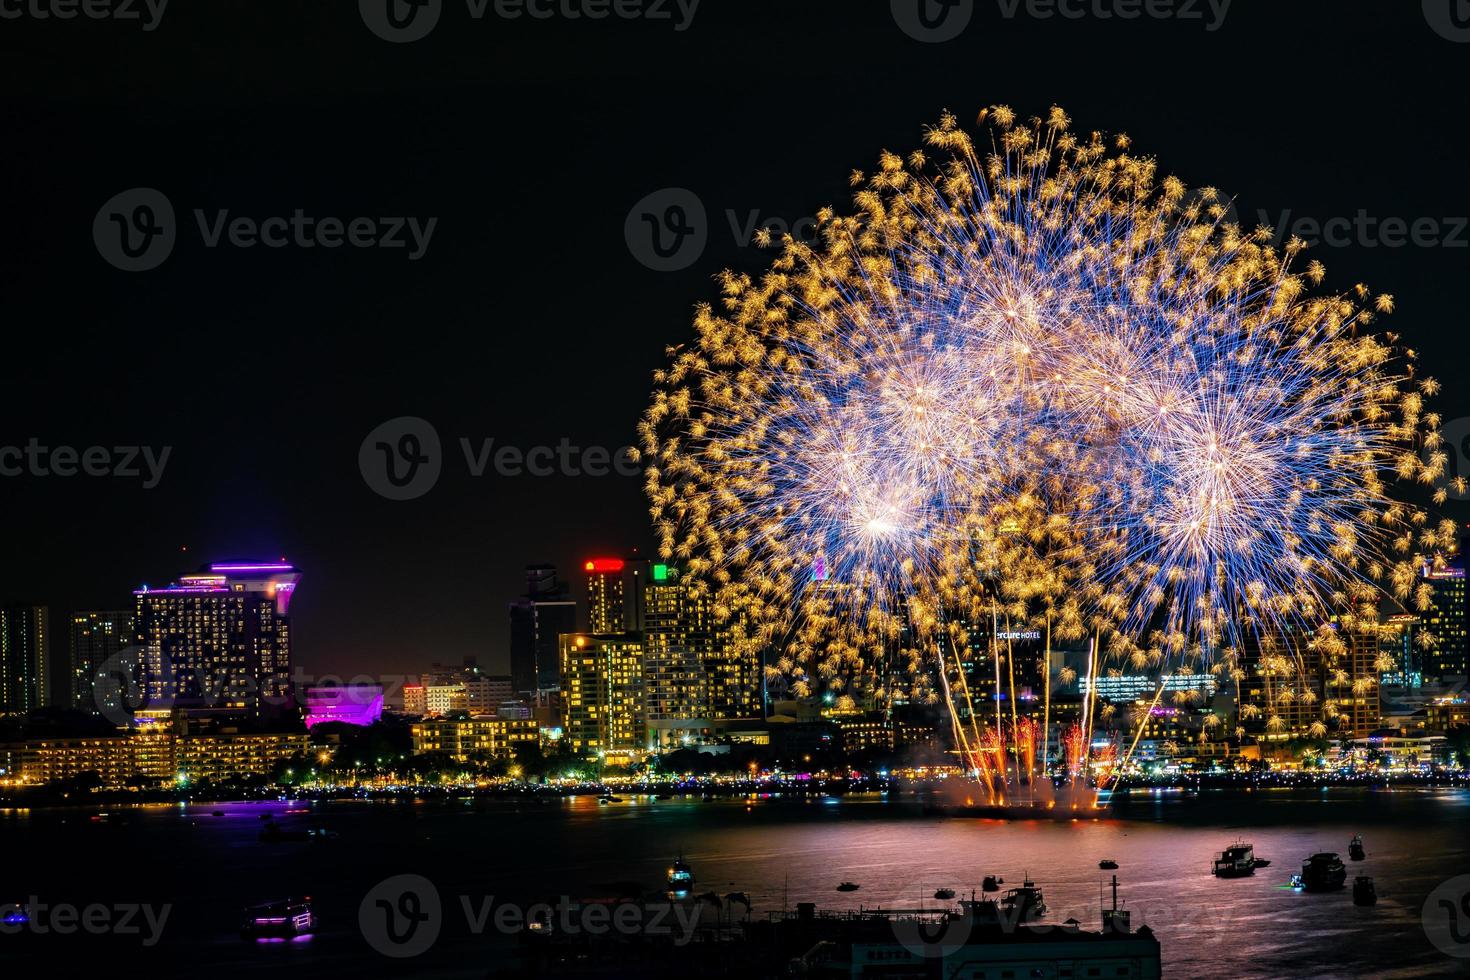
[527, 318]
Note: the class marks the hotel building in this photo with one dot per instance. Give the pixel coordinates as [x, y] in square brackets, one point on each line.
[25, 657]
[463, 738]
[1445, 619]
[602, 692]
[607, 602]
[154, 754]
[219, 639]
[694, 681]
[96, 638]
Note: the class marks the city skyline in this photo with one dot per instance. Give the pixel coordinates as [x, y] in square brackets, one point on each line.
[257, 472]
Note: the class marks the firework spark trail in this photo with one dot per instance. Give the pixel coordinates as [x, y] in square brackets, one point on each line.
[1030, 380]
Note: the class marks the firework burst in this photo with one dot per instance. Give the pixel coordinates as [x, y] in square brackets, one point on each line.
[1029, 378]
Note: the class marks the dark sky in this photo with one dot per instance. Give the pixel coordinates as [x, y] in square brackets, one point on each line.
[528, 319]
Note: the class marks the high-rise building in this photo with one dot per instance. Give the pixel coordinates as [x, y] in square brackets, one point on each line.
[693, 676]
[1445, 619]
[1397, 639]
[25, 657]
[1293, 690]
[607, 602]
[96, 637]
[219, 639]
[537, 619]
[602, 691]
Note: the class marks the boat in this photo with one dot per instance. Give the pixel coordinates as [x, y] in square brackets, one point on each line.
[1237, 861]
[1363, 891]
[1355, 848]
[283, 919]
[1322, 872]
[681, 876]
[1108, 864]
[1025, 903]
[609, 798]
[664, 796]
[992, 883]
[848, 886]
[944, 893]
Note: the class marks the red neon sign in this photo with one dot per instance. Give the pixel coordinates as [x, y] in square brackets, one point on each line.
[604, 565]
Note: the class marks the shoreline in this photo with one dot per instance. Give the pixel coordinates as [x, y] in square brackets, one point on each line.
[934, 796]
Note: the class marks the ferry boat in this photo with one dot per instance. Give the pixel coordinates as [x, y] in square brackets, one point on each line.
[848, 886]
[944, 894]
[1355, 848]
[1322, 872]
[992, 883]
[284, 919]
[1237, 861]
[681, 876]
[1025, 903]
[1108, 864]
